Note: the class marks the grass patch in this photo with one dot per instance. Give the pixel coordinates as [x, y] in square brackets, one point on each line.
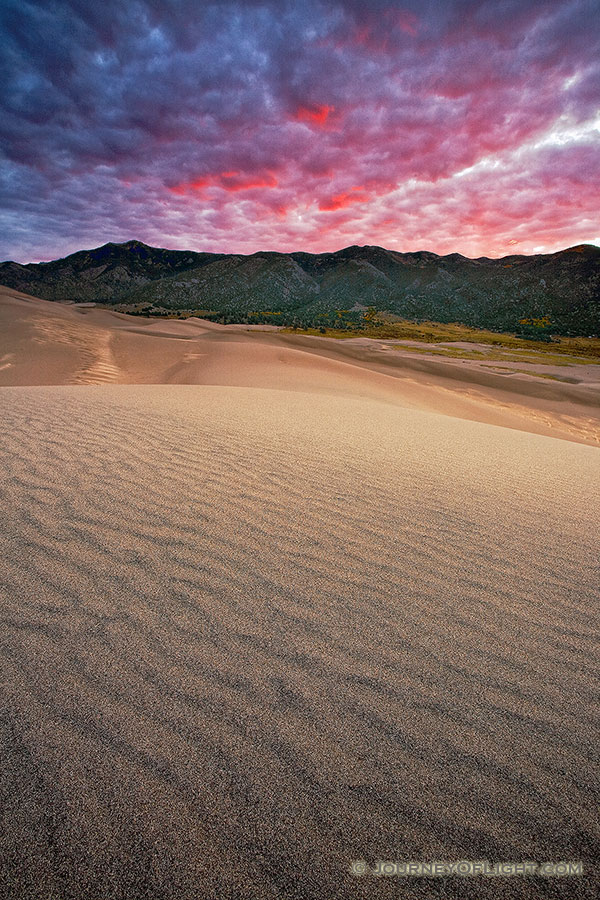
[541, 359]
[588, 349]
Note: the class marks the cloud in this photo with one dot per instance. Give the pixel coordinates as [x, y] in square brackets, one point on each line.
[316, 116]
[239, 126]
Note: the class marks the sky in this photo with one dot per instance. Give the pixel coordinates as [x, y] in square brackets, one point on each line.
[468, 126]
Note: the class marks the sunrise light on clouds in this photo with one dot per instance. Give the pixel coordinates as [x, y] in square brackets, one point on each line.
[466, 126]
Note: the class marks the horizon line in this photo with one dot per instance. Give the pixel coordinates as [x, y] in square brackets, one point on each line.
[293, 252]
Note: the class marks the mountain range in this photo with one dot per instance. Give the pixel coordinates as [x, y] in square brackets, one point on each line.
[305, 288]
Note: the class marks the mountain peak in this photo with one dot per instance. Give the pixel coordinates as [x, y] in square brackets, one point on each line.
[582, 248]
[125, 245]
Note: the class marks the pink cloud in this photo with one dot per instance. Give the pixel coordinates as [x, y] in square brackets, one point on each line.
[316, 115]
[345, 198]
[230, 181]
[236, 181]
[423, 123]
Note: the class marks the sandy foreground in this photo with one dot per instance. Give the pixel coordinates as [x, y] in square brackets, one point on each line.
[252, 632]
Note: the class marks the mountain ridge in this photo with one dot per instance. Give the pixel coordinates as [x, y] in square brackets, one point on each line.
[301, 287]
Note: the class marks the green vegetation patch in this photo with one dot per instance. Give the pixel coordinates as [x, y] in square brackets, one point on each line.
[586, 349]
[535, 357]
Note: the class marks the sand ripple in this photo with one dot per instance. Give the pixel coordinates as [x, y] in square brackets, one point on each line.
[248, 636]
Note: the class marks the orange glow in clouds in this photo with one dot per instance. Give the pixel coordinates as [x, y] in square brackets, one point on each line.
[314, 115]
[230, 181]
[235, 181]
[347, 198]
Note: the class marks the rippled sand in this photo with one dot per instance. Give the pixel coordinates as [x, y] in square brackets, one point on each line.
[250, 635]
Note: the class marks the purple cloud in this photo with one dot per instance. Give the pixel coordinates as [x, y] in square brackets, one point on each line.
[237, 126]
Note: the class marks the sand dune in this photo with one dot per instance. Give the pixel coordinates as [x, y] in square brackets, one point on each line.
[50, 343]
[250, 634]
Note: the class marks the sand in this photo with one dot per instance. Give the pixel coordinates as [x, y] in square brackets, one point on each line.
[250, 634]
[52, 343]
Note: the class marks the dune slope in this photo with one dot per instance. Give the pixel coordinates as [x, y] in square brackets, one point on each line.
[250, 635]
[51, 343]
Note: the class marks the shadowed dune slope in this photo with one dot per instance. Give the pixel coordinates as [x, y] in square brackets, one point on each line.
[250, 635]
